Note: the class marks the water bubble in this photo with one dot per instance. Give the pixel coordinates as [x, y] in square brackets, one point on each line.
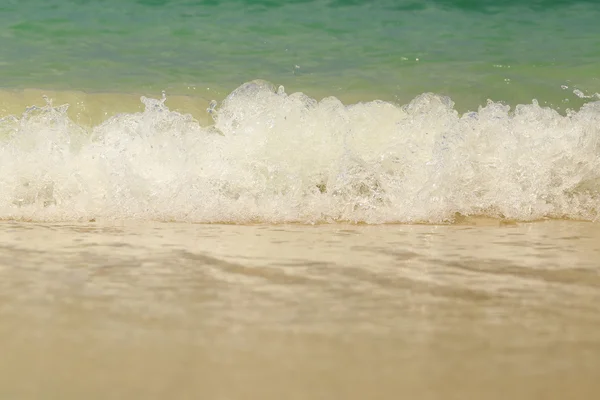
[212, 107]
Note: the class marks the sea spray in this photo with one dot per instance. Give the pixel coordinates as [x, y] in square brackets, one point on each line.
[270, 157]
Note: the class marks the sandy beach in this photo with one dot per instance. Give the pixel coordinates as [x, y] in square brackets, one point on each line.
[156, 310]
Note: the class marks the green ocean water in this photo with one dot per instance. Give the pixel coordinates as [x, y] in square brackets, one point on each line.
[306, 111]
[512, 51]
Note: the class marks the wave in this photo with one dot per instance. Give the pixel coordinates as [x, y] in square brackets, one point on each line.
[272, 157]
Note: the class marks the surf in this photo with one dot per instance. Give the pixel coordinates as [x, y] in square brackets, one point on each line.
[265, 156]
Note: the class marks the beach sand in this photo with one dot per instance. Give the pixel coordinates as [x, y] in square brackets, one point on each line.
[145, 310]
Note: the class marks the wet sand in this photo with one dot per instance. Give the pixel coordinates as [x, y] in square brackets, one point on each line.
[182, 311]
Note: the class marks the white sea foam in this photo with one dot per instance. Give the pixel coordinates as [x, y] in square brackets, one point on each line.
[273, 157]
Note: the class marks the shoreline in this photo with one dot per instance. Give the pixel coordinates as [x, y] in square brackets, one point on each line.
[468, 221]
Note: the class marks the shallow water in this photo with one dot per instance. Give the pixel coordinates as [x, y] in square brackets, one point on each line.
[385, 49]
[155, 310]
[376, 112]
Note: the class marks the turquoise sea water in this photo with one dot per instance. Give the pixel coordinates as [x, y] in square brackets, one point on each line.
[387, 49]
[268, 154]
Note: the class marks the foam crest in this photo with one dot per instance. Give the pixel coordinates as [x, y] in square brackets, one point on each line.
[272, 157]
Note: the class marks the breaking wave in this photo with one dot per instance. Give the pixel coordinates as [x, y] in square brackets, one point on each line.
[271, 157]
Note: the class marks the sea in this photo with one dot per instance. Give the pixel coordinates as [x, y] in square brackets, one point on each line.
[302, 199]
